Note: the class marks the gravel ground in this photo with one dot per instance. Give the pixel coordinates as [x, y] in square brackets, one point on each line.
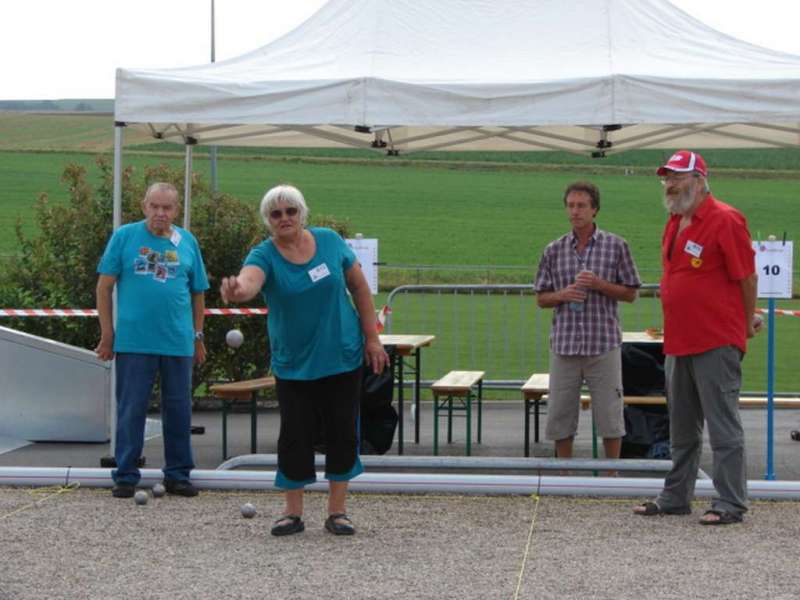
[85, 544]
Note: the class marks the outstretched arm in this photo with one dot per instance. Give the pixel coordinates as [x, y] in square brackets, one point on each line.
[242, 287]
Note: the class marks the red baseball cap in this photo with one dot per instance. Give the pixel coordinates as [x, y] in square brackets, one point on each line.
[684, 161]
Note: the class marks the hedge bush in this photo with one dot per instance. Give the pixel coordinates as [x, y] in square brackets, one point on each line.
[57, 267]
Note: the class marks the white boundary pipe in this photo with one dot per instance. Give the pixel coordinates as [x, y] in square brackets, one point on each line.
[488, 463]
[408, 483]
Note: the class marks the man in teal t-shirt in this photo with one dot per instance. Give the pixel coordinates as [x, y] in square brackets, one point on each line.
[160, 278]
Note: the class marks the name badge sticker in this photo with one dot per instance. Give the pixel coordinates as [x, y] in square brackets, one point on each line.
[319, 272]
[693, 248]
[175, 238]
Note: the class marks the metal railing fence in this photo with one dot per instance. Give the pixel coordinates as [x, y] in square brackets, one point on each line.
[497, 328]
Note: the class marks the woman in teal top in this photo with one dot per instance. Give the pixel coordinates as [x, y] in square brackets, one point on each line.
[320, 337]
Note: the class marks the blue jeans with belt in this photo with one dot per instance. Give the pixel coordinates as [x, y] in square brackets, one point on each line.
[136, 374]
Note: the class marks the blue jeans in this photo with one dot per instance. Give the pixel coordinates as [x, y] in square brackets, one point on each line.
[136, 374]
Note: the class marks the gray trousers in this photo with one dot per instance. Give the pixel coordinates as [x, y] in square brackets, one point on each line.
[706, 386]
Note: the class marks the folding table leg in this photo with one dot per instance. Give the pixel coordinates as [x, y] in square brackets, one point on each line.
[224, 429]
[435, 425]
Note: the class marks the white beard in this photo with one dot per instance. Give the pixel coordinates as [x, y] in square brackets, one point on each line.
[681, 203]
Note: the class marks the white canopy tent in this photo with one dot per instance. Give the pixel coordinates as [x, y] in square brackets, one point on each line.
[584, 76]
[578, 75]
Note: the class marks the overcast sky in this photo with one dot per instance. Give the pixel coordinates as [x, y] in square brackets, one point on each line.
[51, 49]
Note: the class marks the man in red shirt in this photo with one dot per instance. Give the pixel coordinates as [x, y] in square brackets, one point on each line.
[708, 294]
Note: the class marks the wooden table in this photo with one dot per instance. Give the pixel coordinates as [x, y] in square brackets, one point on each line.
[641, 337]
[241, 390]
[407, 345]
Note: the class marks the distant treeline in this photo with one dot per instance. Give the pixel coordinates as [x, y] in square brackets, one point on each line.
[71, 105]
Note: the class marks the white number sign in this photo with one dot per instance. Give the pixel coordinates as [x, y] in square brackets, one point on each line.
[367, 253]
[774, 268]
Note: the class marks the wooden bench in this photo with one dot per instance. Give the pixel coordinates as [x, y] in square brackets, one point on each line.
[461, 385]
[241, 390]
[536, 388]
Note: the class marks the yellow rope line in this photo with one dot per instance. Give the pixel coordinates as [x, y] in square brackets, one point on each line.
[50, 491]
[527, 546]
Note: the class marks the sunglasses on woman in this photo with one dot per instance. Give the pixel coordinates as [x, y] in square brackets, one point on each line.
[278, 213]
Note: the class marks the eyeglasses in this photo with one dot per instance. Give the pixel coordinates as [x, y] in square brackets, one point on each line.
[677, 178]
[276, 214]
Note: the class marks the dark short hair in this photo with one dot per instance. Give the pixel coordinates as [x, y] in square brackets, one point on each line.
[588, 188]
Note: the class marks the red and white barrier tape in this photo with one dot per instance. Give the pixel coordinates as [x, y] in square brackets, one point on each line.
[90, 312]
[780, 311]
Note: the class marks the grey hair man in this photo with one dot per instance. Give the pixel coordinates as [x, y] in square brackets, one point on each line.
[160, 278]
[708, 295]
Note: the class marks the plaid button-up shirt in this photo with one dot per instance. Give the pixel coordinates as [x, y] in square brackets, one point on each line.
[595, 329]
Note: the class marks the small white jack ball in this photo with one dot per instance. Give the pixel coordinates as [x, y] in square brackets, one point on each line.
[159, 490]
[771, 238]
[248, 510]
[141, 497]
[234, 338]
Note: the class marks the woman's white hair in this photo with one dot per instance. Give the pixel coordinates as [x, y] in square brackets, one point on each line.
[287, 194]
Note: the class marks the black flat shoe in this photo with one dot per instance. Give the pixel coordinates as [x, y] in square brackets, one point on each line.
[336, 527]
[287, 525]
[123, 490]
[180, 487]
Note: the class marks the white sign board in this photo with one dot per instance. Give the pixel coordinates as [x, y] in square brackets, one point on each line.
[367, 254]
[774, 269]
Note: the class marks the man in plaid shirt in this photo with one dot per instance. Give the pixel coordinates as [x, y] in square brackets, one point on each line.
[582, 275]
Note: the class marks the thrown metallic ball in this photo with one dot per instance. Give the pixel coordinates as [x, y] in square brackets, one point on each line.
[234, 338]
[248, 510]
[159, 490]
[141, 497]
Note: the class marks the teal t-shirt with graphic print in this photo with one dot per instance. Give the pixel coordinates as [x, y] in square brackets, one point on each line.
[314, 329]
[156, 277]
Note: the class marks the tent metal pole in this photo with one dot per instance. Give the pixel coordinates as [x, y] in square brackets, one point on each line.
[187, 185]
[117, 219]
[118, 126]
[213, 149]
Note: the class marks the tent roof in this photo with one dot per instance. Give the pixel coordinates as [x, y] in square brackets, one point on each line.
[496, 74]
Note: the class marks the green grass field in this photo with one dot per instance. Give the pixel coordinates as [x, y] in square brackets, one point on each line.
[428, 215]
[443, 214]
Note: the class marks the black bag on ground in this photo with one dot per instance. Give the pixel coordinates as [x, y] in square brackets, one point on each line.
[378, 416]
[646, 426]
